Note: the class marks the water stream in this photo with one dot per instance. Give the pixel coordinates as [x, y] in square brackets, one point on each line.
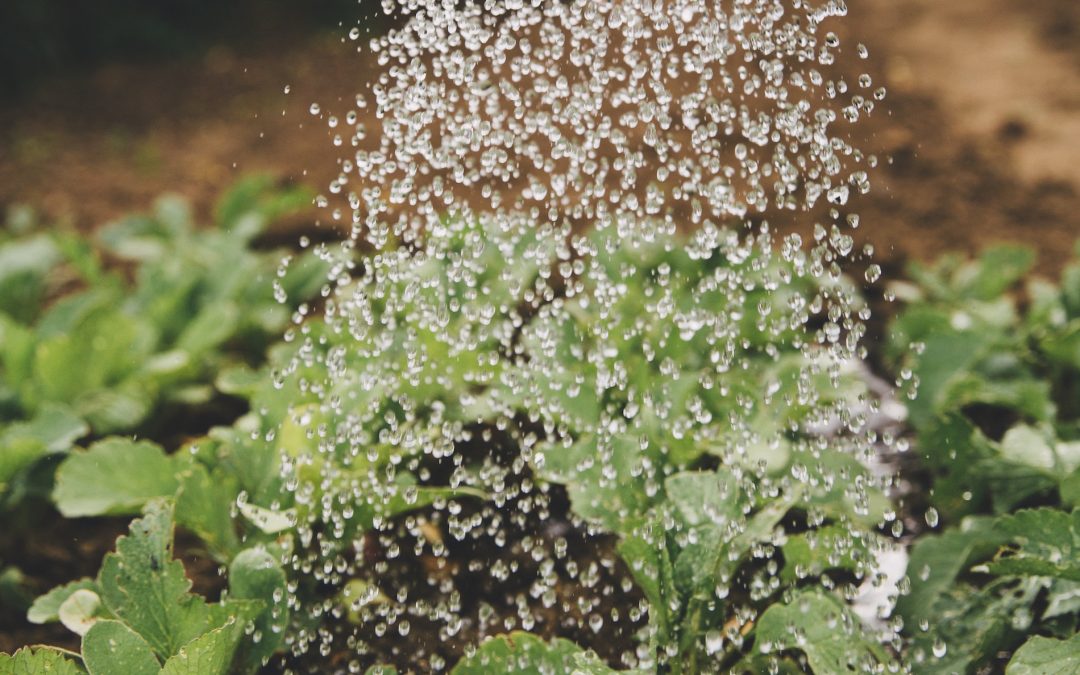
[562, 306]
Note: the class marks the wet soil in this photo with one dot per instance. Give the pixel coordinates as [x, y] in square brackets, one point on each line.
[977, 136]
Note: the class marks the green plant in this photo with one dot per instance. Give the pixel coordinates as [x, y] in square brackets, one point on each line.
[139, 616]
[105, 357]
[996, 422]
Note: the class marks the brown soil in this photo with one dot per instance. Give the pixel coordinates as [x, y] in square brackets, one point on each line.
[978, 137]
[979, 127]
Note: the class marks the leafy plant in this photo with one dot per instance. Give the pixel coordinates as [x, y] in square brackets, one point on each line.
[139, 616]
[996, 423]
[103, 358]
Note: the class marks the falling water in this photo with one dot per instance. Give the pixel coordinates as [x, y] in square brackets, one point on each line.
[561, 299]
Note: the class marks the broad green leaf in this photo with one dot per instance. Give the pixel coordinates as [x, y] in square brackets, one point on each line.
[255, 575]
[811, 553]
[946, 356]
[951, 446]
[111, 648]
[97, 353]
[971, 625]
[1024, 393]
[1068, 455]
[53, 429]
[142, 585]
[938, 559]
[211, 327]
[521, 654]
[204, 506]
[115, 476]
[645, 552]
[1070, 489]
[137, 238]
[1045, 656]
[837, 484]
[822, 628]
[1026, 445]
[46, 608]
[209, 654]
[38, 661]
[713, 498]
[55, 426]
[23, 268]
[1062, 346]
[605, 487]
[1046, 542]
[1010, 484]
[17, 344]
[997, 269]
[17, 455]
[239, 381]
[381, 670]
[718, 551]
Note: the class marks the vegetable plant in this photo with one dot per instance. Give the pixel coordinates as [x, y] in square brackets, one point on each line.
[996, 424]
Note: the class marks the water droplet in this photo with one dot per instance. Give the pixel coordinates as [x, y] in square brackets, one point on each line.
[932, 517]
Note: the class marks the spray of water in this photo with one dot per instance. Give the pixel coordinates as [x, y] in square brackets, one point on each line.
[560, 309]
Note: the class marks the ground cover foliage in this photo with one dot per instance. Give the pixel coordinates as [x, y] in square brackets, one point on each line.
[739, 529]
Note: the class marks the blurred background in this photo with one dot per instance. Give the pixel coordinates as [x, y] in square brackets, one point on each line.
[104, 105]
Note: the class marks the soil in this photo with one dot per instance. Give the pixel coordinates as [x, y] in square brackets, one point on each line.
[977, 137]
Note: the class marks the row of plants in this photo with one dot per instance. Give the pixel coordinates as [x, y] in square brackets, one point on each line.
[995, 352]
[746, 521]
[109, 338]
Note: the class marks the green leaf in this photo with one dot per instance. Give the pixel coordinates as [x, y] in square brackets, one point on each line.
[609, 490]
[255, 575]
[111, 648]
[713, 498]
[23, 268]
[46, 608]
[521, 654]
[204, 506]
[15, 457]
[971, 625]
[17, 344]
[137, 238]
[1045, 656]
[53, 429]
[38, 661]
[143, 586]
[216, 323]
[998, 269]
[55, 426]
[115, 476]
[1070, 489]
[946, 356]
[209, 654]
[937, 560]
[821, 627]
[117, 409]
[1026, 445]
[239, 381]
[1046, 542]
[646, 554]
[97, 353]
[811, 553]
